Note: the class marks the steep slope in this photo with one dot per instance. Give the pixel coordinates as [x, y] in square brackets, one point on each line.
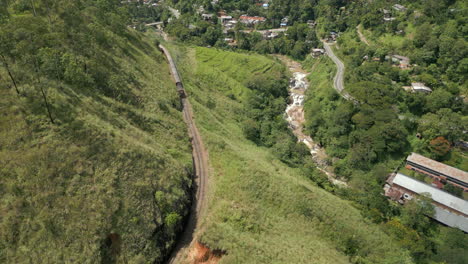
[109, 180]
[261, 210]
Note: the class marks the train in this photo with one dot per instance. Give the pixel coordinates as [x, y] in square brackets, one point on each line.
[174, 72]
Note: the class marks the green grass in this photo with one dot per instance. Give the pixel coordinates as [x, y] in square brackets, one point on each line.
[262, 211]
[66, 187]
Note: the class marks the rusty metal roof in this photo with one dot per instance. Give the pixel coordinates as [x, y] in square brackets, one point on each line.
[439, 167]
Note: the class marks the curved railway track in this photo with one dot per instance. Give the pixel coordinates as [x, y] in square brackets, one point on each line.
[200, 162]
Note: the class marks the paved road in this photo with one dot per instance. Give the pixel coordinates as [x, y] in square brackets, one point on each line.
[338, 81]
[200, 162]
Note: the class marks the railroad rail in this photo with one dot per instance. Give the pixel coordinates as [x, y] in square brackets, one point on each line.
[200, 163]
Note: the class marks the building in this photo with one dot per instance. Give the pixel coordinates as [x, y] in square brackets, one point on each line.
[207, 17]
[399, 8]
[438, 171]
[268, 34]
[449, 209]
[403, 62]
[420, 87]
[284, 22]
[249, 20]
[224, 19]
[317, 52]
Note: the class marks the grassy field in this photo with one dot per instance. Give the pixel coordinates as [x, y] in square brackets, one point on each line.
[262, 211]
[109, 181]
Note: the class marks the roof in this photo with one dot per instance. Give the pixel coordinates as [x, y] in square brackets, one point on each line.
[438, 166]
[402, 58]
[451, 219]
[437, 195]
[252, 18]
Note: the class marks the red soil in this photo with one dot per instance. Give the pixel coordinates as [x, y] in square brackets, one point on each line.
[201, 254]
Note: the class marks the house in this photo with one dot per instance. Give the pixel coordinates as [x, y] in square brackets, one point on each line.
[403, 62]
[230, 24]
[399, 8]
[269, 34]
[317, 52]
[207, 17]
[437, 170]
[249, 20]
[448, 209]
[420, 87]
[284, 22]
[225, 18]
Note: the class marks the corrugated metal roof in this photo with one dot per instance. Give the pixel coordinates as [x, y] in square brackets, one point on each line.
[439, 167]
[437, 195]
[451, 219]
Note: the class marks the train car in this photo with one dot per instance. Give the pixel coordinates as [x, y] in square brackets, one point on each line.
[181, 90]
[174, 72]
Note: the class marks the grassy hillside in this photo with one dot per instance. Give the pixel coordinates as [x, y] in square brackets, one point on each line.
[109, 179]
[262, 211]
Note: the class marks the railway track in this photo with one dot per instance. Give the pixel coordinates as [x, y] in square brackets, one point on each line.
[200, 162]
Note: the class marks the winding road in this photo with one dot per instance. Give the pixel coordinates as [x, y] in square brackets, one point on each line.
[338, 81]
[200, 162]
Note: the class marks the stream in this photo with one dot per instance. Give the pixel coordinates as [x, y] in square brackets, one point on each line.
[294, 115]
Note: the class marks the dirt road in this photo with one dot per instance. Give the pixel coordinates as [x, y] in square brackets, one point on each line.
[361, 36]
[200, 162]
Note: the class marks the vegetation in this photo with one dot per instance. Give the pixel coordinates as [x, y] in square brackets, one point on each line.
[262, 210]
[324, 108]
[95, 162]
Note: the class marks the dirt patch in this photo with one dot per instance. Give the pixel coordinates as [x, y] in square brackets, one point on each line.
[201, 254]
